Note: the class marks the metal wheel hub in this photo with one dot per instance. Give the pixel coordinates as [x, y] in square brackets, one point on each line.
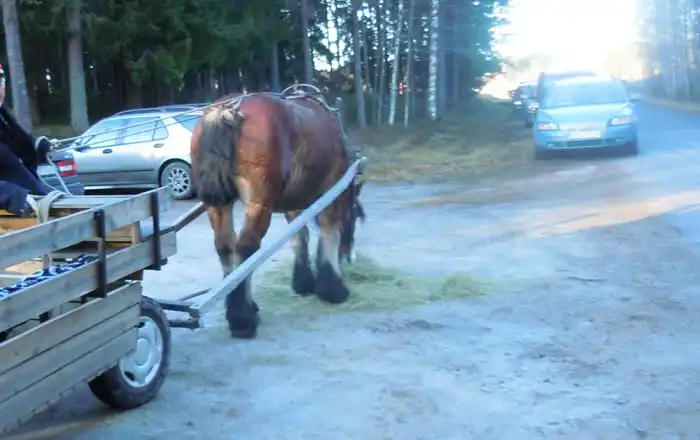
[141, 367]
[179, 180]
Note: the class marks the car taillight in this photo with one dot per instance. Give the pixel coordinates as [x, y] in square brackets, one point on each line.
[67, 168]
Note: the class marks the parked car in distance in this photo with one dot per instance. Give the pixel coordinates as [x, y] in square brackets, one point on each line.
[545, 80]
[67, 169]
[585, 113]
[522, 94]
[116, 153]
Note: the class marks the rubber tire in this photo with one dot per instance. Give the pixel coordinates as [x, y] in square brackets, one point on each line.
[111, 388]
[631, 149]
[179, 164]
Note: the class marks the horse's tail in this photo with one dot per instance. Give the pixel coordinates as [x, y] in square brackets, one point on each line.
[214, 156]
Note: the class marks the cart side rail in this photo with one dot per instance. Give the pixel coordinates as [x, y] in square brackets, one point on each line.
[60, 233]
[34, 300]
[41, 365]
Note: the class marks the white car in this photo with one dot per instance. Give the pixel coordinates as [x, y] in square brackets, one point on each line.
[117, 153]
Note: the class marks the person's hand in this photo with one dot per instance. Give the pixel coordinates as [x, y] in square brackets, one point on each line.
[43, 146]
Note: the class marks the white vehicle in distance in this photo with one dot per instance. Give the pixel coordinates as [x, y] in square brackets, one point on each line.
[117, 153]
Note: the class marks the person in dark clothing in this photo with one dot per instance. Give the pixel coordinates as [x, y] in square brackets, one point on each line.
[20, 155]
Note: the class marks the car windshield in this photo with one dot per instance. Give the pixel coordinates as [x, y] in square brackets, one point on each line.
[95, 136]
[569, 95]
[525, 90]
[189, 120]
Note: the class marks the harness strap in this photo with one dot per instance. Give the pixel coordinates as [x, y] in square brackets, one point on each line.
[41, 209]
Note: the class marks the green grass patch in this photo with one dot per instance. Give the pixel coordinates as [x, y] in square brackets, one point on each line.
[372, 287]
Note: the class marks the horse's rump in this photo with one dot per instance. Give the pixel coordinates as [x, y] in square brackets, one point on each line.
[292, 144]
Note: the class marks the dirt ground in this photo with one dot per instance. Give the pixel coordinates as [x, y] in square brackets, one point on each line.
[590, 333]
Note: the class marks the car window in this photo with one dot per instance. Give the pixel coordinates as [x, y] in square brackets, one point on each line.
[99, 138]
[161, 131]
[585, 94]
[141, 132]
[189, 121]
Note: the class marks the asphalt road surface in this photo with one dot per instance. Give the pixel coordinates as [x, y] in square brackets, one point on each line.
[591, 333]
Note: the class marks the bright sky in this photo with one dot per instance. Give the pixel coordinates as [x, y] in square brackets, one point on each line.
[577, 32]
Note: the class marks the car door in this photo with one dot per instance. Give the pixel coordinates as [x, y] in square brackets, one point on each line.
[132, 158]
[92, 150]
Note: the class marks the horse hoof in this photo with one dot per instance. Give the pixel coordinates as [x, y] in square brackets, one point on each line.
[329, 287]
[303, 280]
[244, 327]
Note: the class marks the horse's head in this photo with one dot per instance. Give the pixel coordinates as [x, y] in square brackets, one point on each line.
[352, 214]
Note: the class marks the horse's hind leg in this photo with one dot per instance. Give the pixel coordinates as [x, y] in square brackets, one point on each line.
[329, 285]
[303, 280]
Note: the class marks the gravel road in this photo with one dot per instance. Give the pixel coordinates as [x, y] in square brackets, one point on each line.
[591, 332]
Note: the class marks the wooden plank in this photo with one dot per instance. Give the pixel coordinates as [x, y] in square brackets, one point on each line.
[24, 268]
[21, 348]
[179, 223]
[60, 233]
[79, 203]
[10, 222]
[38, 367]
[232, 280]
[34, 300]
[84, 369]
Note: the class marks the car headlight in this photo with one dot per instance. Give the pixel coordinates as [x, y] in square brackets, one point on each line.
[518, 102]
[533, 106]
[547, 126]
[621, 120]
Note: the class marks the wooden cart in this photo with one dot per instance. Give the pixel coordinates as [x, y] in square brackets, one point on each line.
[91, 322]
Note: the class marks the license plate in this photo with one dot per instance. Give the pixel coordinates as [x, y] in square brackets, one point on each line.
[585, 134]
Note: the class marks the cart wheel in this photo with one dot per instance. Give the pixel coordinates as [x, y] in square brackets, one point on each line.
[138, 377]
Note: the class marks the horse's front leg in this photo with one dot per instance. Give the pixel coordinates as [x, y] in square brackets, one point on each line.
[221, 220]
[303, 280]
[241, 310]
[329, 285]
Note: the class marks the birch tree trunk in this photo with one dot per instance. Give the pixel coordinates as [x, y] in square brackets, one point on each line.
[337, 26]
[381, 73]
[306, 42]
[359, 93]
[17, 77]
[433, 63]
[395, 67]
[365, 52]
[409, 64]
[76, 71]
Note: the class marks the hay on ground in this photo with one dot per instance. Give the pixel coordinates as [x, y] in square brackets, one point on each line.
[372, 287]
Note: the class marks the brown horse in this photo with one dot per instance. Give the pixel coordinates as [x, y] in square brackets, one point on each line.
[275, 154]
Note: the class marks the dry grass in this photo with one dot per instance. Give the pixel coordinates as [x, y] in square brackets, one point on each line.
[372, 287]
[479, 139]
[687, 106]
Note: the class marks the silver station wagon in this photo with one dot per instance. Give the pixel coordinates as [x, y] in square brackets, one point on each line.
[118, 153]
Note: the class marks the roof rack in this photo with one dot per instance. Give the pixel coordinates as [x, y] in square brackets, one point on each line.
[162, 109]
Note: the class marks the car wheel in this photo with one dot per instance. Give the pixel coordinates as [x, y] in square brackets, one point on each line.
[631, 149]
[178, 177]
